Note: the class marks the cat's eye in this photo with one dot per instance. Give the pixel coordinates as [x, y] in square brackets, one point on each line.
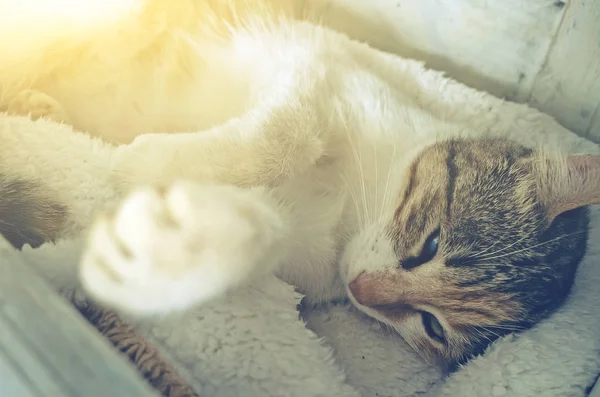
[428, 252]
[430, 247]
[433, 327]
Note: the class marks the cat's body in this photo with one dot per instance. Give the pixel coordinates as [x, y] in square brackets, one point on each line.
[318, 181]
[119, 110]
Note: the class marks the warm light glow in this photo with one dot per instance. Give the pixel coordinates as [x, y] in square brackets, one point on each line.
[79, 11]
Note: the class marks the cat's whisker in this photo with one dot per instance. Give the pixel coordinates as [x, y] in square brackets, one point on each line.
[363, 186]
[481, 334]
[388, 333]
[490, 247]
[514, 328]
[353, 198]
[386, 193]
[370, 193]
[492, 332]
[484, 257]
[379, 326]
[373, 207]
[414, 347]
[361, 177]
[537, 245]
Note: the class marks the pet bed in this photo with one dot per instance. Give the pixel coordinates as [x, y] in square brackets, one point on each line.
[252, 342]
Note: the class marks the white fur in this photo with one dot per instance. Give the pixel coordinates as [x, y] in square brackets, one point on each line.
[322, 205]
[224, 231]
[357, 110]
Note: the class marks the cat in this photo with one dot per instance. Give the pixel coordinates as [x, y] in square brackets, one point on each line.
[350, 188]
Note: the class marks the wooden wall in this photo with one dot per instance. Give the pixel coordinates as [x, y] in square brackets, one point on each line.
[47, 349]
[544, 52]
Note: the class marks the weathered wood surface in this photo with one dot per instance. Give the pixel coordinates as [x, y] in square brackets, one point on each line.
[568, 86]
[495, 45]
[48, 350]
[543, 52]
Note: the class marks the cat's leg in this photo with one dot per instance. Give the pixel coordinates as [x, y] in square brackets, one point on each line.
[165, 250]
[36, 104]
[261, 150]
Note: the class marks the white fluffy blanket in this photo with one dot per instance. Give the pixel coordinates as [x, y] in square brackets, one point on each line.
[252, 343]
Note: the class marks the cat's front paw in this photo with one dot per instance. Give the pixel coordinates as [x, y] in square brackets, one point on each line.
[36, 104]
[165, 250]
[155, 159]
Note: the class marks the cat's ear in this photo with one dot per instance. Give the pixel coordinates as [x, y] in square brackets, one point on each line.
[571, 183]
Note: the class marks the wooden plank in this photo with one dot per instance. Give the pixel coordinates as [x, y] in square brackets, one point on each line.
[568, 87]
[47, 349]
[25, 361]
[497, 46]
[12, 381]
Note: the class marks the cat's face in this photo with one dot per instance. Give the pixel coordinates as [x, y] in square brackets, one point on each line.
[472, 251]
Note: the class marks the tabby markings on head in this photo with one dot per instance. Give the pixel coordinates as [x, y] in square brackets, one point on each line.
[485, 245]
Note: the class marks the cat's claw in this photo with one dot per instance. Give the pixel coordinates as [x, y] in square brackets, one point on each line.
[164, 250]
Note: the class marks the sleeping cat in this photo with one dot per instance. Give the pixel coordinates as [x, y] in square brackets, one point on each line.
[350, 187]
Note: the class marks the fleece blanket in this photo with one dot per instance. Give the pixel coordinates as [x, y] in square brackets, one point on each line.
[252, 341]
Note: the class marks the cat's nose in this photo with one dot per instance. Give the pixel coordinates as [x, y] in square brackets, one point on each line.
[360, 289]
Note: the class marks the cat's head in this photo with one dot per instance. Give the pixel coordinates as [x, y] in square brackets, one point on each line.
[484, 239]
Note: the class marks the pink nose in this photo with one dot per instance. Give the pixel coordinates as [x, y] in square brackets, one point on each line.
[359, 289]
